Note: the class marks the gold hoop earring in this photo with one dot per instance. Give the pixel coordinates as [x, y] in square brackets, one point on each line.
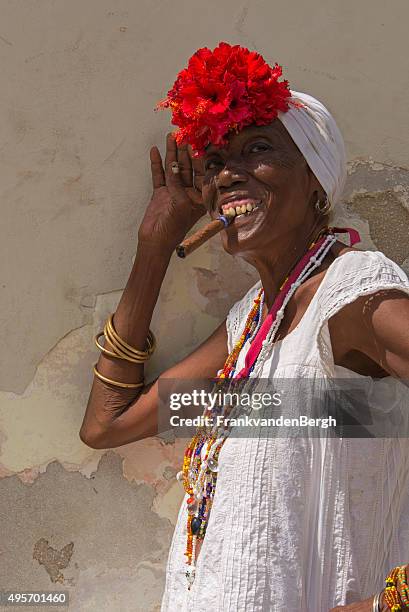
[323, 207]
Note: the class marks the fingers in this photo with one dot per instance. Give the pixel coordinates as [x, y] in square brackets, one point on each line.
[185, 164]
[198, 167]
[190, 176]
[158, 174]
[173, 181]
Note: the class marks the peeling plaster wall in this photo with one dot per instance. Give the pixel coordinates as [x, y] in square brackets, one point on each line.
[80, 80]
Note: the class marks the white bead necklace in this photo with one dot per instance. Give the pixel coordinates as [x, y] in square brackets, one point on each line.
[313, 263]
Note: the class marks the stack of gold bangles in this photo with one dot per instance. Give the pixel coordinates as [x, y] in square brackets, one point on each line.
[122, 350]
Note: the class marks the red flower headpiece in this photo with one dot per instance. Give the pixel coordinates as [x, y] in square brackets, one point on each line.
[222, 90]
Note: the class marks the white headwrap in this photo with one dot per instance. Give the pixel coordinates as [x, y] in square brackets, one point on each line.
[316, 134]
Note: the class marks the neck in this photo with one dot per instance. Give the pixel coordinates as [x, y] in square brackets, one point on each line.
[275, 263]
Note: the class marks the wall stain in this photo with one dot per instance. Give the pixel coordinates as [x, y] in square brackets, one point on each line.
[52, 559]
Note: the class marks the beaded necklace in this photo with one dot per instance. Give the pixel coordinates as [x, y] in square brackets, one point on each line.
[200, 464]
[198, 468]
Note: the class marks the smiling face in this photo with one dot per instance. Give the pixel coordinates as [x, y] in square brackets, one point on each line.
[263, 170]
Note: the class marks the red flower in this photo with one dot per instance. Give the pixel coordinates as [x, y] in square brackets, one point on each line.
[222, 90]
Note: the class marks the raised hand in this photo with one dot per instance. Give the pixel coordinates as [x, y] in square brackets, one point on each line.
[176, 203]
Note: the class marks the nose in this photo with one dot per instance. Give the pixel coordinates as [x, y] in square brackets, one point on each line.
[230, 175]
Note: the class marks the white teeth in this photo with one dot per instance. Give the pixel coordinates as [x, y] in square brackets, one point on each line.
[244, 208]
[238, 210]
[249, 206]
[231, 211]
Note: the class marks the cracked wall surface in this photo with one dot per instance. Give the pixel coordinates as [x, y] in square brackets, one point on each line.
[80, 81]
[98, 529]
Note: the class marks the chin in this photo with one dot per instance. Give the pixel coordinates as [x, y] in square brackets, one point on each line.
[239, 242]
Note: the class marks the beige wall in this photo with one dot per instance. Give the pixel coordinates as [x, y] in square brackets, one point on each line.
[79, 83]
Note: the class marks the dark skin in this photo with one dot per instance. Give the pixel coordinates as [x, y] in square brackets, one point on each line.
[370, 336]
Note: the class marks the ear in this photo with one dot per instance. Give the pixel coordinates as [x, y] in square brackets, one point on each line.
[316, 188]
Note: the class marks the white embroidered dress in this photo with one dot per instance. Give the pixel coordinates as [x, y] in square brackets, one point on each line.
[303, 524]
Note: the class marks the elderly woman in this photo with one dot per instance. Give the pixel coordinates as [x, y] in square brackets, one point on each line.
[300, 524]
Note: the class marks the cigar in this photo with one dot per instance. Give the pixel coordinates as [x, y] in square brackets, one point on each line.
[202, 235]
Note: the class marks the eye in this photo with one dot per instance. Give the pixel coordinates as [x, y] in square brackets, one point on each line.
[211, 163]
[259, 146]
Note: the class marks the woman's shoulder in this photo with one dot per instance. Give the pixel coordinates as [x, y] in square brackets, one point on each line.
[364, 266]
[354, 273]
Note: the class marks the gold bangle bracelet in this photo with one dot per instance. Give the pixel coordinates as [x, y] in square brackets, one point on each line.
[124, 354]
[116, 340]
[115, 355]
[116, 383]
[103, 349]
[139, 357]
[127, 347]
[118, 347]
[113, 332]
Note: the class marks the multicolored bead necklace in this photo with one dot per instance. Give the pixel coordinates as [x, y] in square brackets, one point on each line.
[199, 472]
[200, 464]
